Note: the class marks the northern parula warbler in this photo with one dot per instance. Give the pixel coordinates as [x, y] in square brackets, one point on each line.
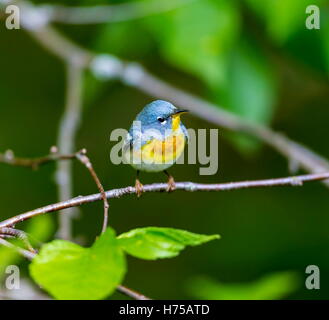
[155, 140]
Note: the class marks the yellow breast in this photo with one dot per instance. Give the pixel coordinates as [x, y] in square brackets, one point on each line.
[164, 151]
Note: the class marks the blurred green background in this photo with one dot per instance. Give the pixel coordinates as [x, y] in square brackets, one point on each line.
[254, 57]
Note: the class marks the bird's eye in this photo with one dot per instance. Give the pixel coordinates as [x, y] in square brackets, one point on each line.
[161, 120]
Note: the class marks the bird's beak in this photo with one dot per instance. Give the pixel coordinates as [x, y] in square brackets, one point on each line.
[180, 112]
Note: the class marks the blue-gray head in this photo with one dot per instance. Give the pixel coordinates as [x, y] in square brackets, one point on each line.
[159, 115]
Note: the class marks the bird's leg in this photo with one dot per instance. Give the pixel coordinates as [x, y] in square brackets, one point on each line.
[138, 185]
[171, 181]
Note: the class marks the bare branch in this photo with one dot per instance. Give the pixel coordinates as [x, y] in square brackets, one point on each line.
[25, 253]
[160, 187]
[109, 13]
[132, 293]
[9, 158]
[67, 130]
[81, 156]
[60, 46]
[19, 234]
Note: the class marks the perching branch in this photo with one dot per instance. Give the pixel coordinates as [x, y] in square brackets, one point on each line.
[135, 75]
[160, 187]
[30, 255]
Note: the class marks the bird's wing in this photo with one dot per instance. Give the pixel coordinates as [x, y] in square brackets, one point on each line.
[127, 143]
[135, 139]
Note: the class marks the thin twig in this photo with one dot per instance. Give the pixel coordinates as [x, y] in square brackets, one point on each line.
[132, 293]
[82, 157]
[60, 46]
[19, 234]
[67, 130]
[109, 13]
[25, 253]
[6, 236]
[9, 158]
[160, 187]
[30, 255]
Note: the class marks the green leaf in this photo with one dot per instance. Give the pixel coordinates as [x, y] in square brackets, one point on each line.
[273, 286]
[198, 37]
[153, 243]
[69, 271]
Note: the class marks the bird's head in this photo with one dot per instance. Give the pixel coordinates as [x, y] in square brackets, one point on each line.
[160, 115]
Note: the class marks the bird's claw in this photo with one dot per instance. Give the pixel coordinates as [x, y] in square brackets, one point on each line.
[139, 188]
[171, 184]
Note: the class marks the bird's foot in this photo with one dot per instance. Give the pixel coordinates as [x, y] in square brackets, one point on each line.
[139, 188]
[171, 184]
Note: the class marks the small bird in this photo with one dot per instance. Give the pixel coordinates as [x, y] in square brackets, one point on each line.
[155, 141]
